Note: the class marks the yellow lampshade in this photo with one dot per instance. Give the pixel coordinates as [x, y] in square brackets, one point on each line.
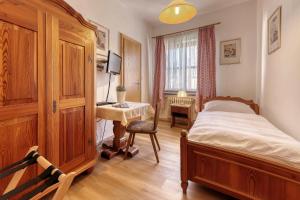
[181, 93]
[177, 12]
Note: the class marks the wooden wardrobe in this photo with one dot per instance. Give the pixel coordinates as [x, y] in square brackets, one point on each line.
[46, 84]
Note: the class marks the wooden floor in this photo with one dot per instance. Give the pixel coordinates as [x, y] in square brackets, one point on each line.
[140, 178]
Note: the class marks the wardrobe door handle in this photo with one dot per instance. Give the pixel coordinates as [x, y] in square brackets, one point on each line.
[90, 141]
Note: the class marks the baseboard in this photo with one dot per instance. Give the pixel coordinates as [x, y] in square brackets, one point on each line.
[165, 120]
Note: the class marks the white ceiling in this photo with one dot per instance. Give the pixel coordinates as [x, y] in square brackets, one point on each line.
[149, 9]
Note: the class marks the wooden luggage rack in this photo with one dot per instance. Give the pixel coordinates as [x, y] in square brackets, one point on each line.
[50, 179]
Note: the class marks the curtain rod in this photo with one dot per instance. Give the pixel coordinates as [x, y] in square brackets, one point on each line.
[187, 30]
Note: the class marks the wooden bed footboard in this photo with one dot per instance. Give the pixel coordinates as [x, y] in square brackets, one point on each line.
[236, 174]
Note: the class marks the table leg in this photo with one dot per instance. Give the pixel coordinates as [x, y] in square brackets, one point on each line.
[117, 145]
[119, 141]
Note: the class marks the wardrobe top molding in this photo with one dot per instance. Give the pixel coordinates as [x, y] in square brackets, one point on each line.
[74, 13]
[53, 6]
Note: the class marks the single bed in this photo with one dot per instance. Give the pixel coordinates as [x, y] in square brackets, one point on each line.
[232, 149]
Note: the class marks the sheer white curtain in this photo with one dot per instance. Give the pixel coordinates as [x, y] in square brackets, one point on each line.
[181, 61]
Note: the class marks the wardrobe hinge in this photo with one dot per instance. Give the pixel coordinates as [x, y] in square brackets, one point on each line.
[54, 106]
[90, 59]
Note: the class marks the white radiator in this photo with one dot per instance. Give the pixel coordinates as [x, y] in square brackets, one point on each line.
[180, 100]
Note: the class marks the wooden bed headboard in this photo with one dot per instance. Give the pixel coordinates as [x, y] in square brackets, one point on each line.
[250, 103]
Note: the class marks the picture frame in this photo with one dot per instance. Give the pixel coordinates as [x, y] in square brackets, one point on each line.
[101, 62]
[230, 51]
[274, 31]
[102, 39]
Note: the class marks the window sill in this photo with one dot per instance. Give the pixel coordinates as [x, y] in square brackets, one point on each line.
[175, 93]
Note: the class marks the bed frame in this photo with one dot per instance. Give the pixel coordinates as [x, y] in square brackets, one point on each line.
[236, 174]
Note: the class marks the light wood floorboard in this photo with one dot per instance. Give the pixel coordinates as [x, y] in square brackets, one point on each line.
[140, 178]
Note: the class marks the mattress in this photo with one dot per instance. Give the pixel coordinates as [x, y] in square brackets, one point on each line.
[246, 133]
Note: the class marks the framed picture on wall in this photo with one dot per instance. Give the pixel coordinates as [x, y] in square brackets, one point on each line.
[230, 52]
[102, 39]
[101, 62]
[274, 31]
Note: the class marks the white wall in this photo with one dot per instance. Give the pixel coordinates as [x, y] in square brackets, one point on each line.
[280, 77]
[238, 21]
[119, 19]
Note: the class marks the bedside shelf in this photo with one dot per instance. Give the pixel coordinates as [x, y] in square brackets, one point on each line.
[182, 111]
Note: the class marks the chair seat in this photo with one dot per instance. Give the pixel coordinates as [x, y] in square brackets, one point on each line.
[141, 127]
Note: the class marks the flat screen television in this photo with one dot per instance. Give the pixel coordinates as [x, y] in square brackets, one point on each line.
[114, 62]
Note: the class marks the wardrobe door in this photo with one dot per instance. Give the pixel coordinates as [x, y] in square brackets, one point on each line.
[72, 94]
[22, 86]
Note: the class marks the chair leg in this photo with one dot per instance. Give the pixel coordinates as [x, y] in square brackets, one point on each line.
[154, 148]
[132, 142]
[128, 144]
[155, 137]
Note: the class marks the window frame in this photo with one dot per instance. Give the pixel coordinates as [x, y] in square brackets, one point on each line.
[174, 92]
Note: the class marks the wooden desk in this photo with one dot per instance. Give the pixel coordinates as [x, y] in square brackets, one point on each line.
[181, 111]
[120, 118]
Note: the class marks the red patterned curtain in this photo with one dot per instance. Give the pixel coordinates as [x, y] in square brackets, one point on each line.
[160, 70]
[206, 65]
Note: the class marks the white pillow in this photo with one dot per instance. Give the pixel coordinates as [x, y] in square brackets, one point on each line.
[227, 106]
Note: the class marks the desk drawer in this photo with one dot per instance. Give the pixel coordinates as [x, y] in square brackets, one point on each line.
[181, 110]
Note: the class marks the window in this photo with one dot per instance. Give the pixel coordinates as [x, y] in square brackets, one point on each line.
[181, 62]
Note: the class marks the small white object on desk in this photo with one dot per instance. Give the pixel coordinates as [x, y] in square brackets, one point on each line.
[121, 105]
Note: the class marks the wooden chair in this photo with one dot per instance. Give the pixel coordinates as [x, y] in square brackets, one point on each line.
[144, 127]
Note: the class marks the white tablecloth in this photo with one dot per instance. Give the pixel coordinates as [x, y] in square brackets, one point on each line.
[135, 110]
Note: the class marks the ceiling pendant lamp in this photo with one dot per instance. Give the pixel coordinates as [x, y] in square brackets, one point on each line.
[177, 12]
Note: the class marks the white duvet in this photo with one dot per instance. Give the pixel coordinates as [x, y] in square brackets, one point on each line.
[247, 133]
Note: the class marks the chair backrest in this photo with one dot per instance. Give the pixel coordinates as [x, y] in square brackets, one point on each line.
[156, 115]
